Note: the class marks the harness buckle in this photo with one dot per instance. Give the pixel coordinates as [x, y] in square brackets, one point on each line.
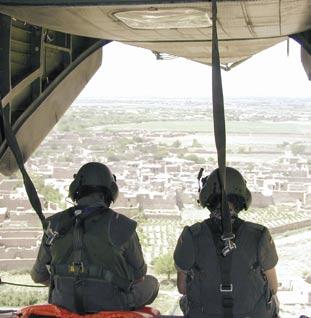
[77, 212]
[229, 245]
[51, 235]
[226, 288]
[76, 268]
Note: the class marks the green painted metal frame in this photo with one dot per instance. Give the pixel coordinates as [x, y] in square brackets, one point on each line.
[33, 61]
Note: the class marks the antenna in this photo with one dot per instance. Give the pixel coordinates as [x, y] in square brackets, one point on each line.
[199, 178]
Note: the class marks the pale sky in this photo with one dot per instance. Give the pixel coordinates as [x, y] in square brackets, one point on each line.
[133, 72]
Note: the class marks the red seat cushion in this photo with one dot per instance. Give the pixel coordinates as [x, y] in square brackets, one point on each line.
[58, 312]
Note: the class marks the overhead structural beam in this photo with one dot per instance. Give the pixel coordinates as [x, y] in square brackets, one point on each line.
[21, 85]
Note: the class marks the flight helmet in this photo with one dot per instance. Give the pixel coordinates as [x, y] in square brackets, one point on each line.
[94, 177]
[236, 190]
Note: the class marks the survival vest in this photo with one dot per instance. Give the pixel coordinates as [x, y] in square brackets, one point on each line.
[88, 270]
[248, 293]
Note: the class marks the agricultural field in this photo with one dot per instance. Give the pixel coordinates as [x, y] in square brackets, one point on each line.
[134, 136]
[234, 127]
[159, 236]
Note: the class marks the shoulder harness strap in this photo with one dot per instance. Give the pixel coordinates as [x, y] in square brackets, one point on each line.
[120, 228]
[195, 229]
[225, 262]
[77, 268]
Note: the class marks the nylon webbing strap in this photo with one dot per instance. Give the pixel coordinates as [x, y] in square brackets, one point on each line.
[219, 127]
[93, 271]
[226, 288]
[77, 241]
[225, 262]
[77, 265]
[13, 145]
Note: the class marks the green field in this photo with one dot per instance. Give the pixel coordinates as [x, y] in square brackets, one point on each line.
[242, 127]
[13, 296]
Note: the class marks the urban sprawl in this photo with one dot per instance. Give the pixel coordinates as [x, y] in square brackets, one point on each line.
[156, 148]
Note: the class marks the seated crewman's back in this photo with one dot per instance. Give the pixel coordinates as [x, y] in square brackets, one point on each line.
[234, 285]
[95, 258]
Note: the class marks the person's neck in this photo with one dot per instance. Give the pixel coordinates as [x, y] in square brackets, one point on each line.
[93, 199]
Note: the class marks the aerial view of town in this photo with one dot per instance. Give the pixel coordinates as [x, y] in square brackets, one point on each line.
[156, 147]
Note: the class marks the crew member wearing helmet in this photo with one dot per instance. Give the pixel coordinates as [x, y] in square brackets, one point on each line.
[241, 284]
[90, 256]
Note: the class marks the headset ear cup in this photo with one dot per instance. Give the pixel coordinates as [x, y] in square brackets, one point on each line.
[248, 199]
[114, 191]
[73, 189]
[203, 200]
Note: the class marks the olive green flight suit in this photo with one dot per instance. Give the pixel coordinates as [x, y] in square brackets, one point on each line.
[197, 255]
[111, 275]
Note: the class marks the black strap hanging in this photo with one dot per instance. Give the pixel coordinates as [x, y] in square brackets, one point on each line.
[13, 145]
[225, 263]
[78, 266]
[220, 136]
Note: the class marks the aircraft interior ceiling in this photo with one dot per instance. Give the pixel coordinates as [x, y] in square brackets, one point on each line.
[244, 27]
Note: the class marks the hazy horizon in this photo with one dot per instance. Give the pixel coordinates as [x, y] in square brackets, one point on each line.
[131, 71]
